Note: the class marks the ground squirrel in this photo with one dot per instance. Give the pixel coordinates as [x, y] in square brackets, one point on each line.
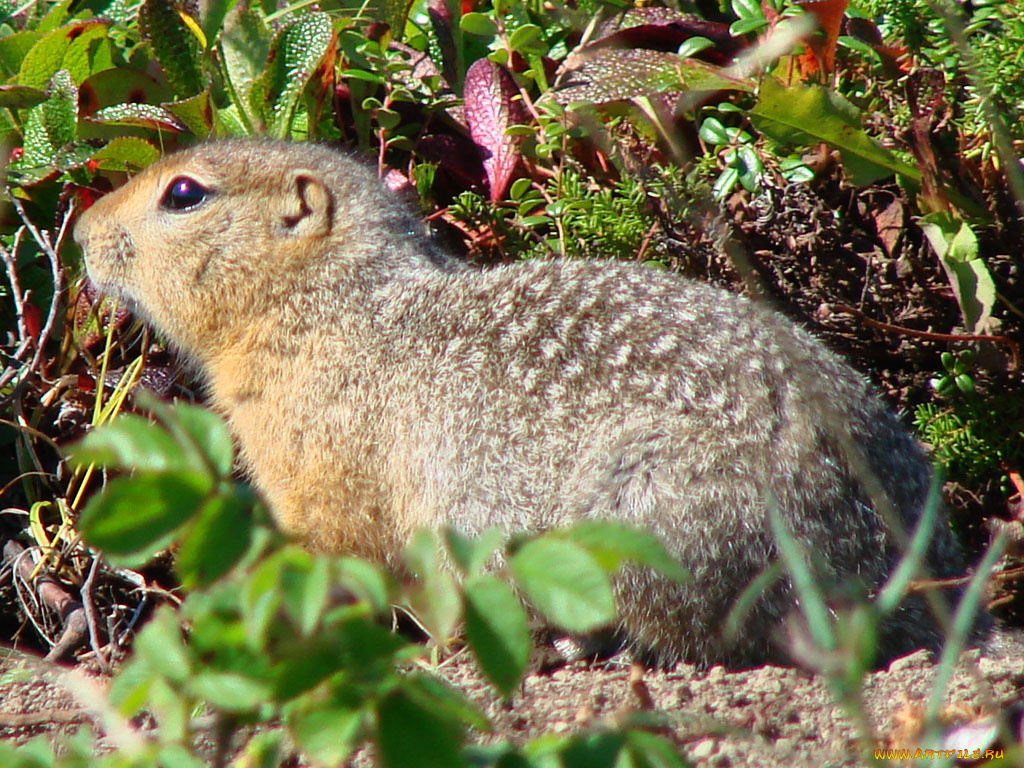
[376, 385]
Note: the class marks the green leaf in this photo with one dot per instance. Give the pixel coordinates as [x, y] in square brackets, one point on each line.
[261, 599]
[475, 23]
[129, 690]
[364, 580]
[594, 750]
[445, 701]
[213, 15]
[120, 86]
[131, 518]
[811, 599]
[173, 44]
[565, 583]
[649, 750]
[195, 112]
[245, 45]
[67, 48]
[133, 442]
[409, 733]
[179, 756]
[304, 583]
[50, 126]
[956, 245]
[14, 48]
[161, 648]
[59, 112]
[208, 432]
[217, 541]
[296, 53]
[807, 114]
[327, 734]
[713, 132]
[391, 12]
[528, 39]
[20, 96]
[313, 599]
[435, 598]
[229, 691]
[497, 630]
[140, 116]
[56, 16]
[126, 153]
[612, 542]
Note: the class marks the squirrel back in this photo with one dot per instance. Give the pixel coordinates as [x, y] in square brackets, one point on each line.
[376, 385]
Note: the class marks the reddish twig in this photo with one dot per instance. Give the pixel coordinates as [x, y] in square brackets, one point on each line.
[931, 335]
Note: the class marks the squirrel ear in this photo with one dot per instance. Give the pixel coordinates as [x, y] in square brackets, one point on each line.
[308, 205]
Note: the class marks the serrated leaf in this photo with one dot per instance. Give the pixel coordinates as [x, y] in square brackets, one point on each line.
[49, 126]
[20, 96]
[214, 13]
[67, 49]
[612, 74]
[126, 153]
[497, 630]
[140, 116]
[132, 517]
[491, 106]
[245, 43]
[174, 45]
[564, 582]
[296, 53]
[60, 111]
[807, 114]
[216, 542]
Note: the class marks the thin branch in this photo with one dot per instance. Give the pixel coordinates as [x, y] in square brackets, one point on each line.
[42, 239]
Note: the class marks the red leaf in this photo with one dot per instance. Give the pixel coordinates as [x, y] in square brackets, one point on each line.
[820, 49]
[490, 109]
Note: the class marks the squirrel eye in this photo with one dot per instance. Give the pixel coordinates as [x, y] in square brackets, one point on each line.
[183, 194]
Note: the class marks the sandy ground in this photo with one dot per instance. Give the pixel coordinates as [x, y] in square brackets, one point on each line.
[760, 717]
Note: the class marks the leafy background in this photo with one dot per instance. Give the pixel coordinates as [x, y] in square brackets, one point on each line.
[854, 163]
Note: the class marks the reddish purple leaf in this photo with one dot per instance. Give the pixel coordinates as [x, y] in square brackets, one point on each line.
[663, 29]
[456, 155]
[490, 110]
[440, 13]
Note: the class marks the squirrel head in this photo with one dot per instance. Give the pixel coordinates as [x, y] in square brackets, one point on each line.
[228, 230]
